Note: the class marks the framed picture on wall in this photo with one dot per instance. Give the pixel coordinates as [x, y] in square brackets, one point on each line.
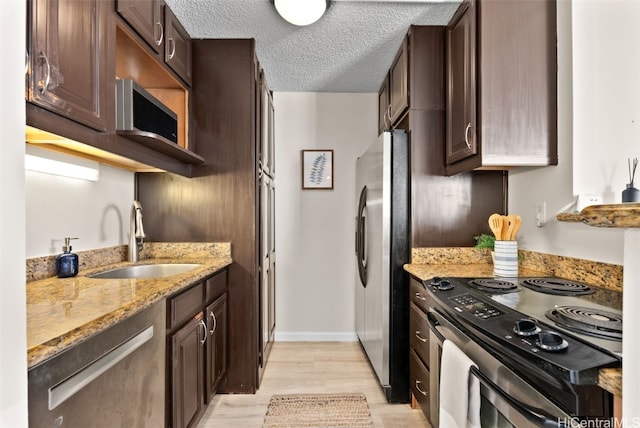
[317, 169]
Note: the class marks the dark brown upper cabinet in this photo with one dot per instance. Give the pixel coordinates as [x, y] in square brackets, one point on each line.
[501, 85]
[177, 46]
[399, 83]
[145, 17]
[393, 97]
[461, 100]
[70, 60]
[383, 106]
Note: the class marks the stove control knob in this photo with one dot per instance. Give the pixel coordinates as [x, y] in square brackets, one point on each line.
[441, 284]
[526, 327]
[551, 341]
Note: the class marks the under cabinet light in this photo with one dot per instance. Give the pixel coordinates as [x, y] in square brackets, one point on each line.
[49, 162]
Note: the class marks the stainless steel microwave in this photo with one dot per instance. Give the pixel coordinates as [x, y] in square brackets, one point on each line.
[140, 112]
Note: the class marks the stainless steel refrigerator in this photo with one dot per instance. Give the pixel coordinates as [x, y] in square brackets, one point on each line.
[382, 248]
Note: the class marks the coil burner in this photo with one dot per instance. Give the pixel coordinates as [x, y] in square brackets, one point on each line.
[594, 322]
[493, 285]
[560, 287]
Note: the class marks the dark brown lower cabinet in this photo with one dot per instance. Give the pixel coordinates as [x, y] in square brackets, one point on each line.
[420, 352]
[197, 349]
[420, 384]
[187, 373]
[216, 361]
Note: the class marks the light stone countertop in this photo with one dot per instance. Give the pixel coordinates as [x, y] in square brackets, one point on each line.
[64, 311]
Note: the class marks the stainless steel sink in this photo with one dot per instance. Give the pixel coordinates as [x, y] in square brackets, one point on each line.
[159, 270]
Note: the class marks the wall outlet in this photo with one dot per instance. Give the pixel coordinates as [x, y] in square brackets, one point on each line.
[541, 214]
[586, 199]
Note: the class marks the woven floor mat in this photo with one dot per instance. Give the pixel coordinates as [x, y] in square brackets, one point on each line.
[318, 410]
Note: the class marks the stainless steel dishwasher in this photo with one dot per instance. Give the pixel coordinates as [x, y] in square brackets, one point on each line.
[113, 379]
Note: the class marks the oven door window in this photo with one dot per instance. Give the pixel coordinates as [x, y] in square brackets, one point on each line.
[490, 416]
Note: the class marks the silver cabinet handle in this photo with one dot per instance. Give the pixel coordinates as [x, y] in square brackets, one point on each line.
[215, 322]
[420, 390]
[204, 326]
[48, 78]
[171, 43]
[260, 169]
[420, 297]
[159, 41]
[419, 336]
[26, 62]
[466, 135]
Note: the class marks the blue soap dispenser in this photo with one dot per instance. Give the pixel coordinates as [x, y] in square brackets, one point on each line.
[67, 262]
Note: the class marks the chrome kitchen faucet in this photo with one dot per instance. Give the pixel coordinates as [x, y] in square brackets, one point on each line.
[136, 231]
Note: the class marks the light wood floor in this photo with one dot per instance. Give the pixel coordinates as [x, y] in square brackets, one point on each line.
[311, 367]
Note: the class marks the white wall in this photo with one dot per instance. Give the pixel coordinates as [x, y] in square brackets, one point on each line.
[96, 212]
[598, 129]
[13, 340]
[315, 228]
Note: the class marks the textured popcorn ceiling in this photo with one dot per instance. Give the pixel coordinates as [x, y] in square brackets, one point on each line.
[349, 49]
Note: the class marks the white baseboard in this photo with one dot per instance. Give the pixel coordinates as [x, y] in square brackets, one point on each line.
[315, 337]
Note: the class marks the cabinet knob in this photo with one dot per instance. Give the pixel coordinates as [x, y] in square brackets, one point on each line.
[419, 336]
[419, 296]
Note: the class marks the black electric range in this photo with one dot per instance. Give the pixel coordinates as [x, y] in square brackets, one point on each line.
[522, 322]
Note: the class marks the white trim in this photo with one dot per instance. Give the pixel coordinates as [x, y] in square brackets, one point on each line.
[314, 336]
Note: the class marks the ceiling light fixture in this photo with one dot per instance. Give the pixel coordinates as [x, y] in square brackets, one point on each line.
[301, 13]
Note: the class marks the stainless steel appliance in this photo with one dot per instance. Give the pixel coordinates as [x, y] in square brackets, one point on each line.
[113, 379]
[534, 371]
[382, 248]
[140, 115]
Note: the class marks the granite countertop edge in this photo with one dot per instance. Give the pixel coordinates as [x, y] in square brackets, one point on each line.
[609, 379]
[146, 292]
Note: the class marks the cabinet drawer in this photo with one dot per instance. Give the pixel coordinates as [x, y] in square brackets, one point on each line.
[419, 377]
[185, 305]
[215, 286]
[419, 295]
[419, 330]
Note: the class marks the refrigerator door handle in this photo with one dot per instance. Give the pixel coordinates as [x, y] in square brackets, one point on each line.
[360, 237]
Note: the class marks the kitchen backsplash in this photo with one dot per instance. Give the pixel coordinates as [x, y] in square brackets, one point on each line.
[44, 267]
[589, 272]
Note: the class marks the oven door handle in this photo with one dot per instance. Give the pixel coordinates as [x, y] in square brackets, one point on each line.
[432, 318]
[530, 413]
[435, 320]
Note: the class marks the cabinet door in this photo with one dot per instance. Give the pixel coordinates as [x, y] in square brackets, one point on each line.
[70, 60]
[145, 17]
[177, 46]
[462, 140]
[216, 358]
[383, 106]
[187, 373]
[399, 83]
[267, 149]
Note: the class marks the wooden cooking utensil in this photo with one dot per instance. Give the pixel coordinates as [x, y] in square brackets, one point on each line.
[511, 220]
[517, 220]
[504, 234]
[495, 224]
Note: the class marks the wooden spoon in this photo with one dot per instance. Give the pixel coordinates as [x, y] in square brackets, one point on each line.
[495, 224]
[504, 234]
[517, 220]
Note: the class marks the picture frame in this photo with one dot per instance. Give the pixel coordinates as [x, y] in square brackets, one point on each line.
[317, 169]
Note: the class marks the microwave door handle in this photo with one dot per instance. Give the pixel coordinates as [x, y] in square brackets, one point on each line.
[533, 414]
